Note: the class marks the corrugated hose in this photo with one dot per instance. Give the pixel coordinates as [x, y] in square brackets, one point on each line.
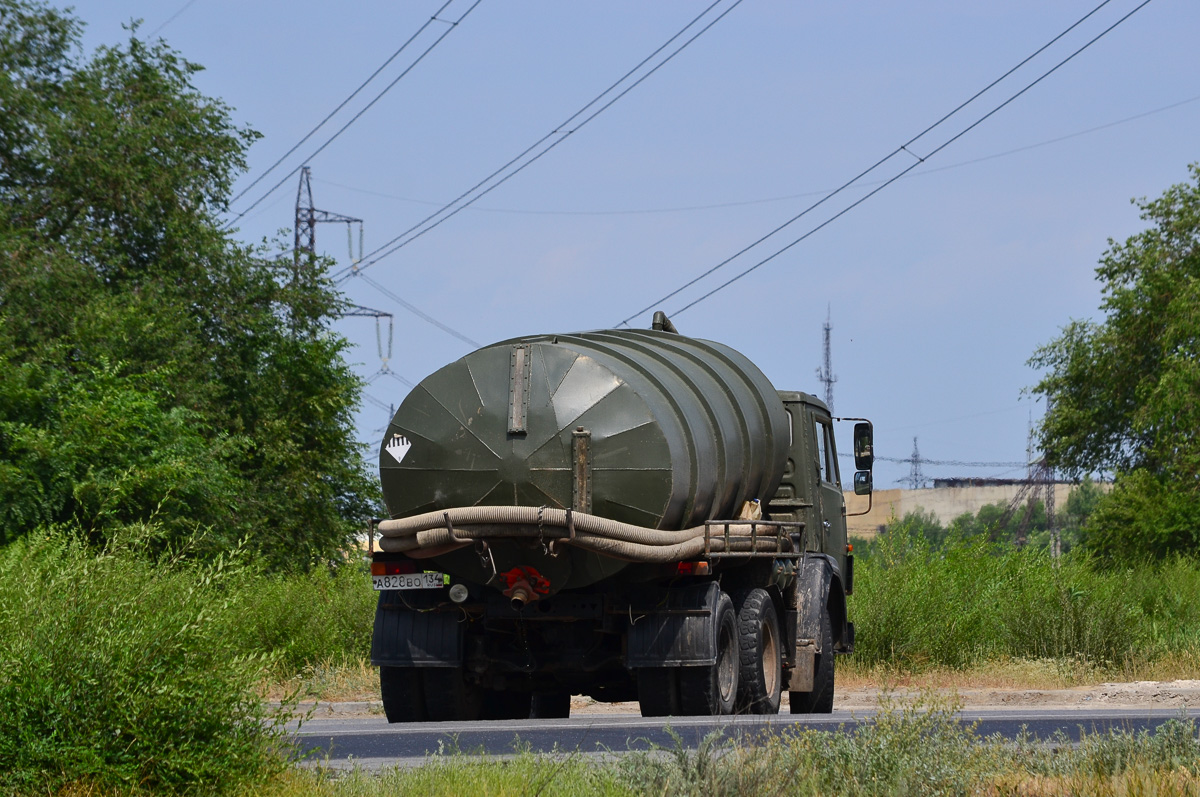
[454, 528]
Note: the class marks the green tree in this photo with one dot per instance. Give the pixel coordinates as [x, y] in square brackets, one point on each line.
[1124, 393]
[994, 522]
[150, 365]
[1081, 503]
[926, 524]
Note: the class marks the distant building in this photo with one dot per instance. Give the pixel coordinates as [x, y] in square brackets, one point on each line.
[947, 499]
[971, 481]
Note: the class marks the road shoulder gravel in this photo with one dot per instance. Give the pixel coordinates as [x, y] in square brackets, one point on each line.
[1150, 694]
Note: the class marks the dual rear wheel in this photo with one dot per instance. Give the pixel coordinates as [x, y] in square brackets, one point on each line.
[760, 653]
[708, 690]
[746, 677]
[432, 694]
[749, 658]
[441, 694]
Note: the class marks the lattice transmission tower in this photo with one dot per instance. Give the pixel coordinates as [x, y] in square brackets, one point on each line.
[305, 248]
[1040, 481]
[916, 477]
[825, 374]
[307, 219]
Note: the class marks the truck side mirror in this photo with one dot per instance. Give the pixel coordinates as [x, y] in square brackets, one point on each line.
[864, 451]
[862, 482]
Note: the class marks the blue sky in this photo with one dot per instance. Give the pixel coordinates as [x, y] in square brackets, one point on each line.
[940, 287]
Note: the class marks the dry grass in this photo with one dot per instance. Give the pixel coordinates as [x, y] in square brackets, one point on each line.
[1002, 674]
[482, 778]
[330, 681]
[1170, 666]
[1010, 673]
[339, 680]
[1127, 784]
[912, 747]
[491, 781]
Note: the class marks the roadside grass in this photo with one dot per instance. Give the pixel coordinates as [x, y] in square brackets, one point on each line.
[971, 603]
[912, 747]
[456, 775]
[356, 680]
[311, 623]
[1001, 673]
[331, 680]
[116, 673]
[1016, 673]
[127, 670]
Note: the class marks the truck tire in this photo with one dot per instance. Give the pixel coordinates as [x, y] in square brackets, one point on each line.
[658, 691]
[820, 699]
[712, 690]
[550, 706]
[502, 704]
[449, 697]
[760, 673]
[403, 694]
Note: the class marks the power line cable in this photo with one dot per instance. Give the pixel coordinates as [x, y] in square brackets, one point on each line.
[454, 207]
[768, 200]
[1061, 138]
[557, 131]
[902, 148]
[452, 25]
[420, 313]
[173, 17]
[343, 103]
[919, 160]
[400, 379]
[376, 402]
[944, 421]
[957, 463]
[1003, 473]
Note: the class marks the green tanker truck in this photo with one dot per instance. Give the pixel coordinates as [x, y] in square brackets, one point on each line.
[624, 514]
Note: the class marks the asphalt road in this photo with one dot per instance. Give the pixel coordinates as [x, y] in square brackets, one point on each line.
[371, 743]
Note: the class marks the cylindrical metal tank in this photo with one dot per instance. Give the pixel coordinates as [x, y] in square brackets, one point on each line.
[679, 430]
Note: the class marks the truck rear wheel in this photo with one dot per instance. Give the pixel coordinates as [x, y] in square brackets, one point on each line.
[658, 691]
[761, 654]
[403, 694]
[550, 705]
[712, 690]
[502, 704]
[449, 697]
[820, 699]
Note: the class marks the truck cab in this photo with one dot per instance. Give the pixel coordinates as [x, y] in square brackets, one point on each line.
[811, 488]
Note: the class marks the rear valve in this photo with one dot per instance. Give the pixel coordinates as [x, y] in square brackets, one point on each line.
[520, 596]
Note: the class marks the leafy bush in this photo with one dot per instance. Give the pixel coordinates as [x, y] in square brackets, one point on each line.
[105, 449]
[1122, 393]
[971, 601]
[913, 606]
[151, 366]
[305, 619]
[1144, 517]
[118, 671]
[995, 522]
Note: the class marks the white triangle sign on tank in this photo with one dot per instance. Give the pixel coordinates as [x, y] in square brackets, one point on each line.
[398, 447]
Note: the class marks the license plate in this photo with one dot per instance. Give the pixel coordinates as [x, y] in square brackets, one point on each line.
[409, 581]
